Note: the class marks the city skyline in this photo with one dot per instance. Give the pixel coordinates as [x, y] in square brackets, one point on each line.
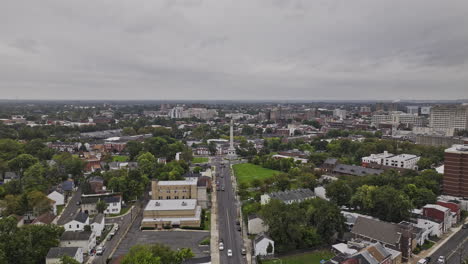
[259, 50]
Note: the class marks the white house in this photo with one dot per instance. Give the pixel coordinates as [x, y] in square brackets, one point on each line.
[55, 253]
[59, 198]
[288, 196]
[78, 223]
[84, 239]
[432, 228]
[114, 203]
[98, 224]
[261, 244]
[256, 225]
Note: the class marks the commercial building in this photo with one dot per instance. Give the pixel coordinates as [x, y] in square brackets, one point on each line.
[412, 109]
[455, 180]
[171, 190]
[385, 159]
[449, 117]
[181, 212]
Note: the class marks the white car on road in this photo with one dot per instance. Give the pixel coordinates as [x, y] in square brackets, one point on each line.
[221, 246]
[229, 253]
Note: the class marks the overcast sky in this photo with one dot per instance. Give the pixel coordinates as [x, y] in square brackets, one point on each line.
[237, 49]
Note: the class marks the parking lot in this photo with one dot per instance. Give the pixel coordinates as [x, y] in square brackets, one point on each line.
[174, 239]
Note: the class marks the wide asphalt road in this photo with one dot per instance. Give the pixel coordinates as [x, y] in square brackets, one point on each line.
[228, 215]
[450, 249]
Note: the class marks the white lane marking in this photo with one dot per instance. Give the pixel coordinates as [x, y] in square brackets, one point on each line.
[229, 226]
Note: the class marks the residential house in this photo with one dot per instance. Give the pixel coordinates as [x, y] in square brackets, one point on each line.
[67, 187]
[84, 239]
[454, 208]
[97, 184]
[256, 225]
[261, 244]
[44, 219]
[113, 201]
[78, 223]
[289, 196]
[10, 176]
[394, 236]
[440, 213]
[362, 252]
[57, 196]
[329, 164]
[98, 224]
[56, 253]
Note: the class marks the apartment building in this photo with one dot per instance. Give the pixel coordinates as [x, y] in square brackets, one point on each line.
[455, 180]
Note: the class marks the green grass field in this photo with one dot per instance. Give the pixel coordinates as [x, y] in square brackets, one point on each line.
[246, 172]
[199, 160]
[306, 258]
[120, 158]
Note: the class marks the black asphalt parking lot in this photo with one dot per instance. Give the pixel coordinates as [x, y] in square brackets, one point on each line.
[173, 239]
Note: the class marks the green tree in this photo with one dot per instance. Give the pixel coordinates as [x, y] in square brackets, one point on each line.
[391, 205]
[22, 162]
[68, 260]
[141, 254]
[269, 248]
[34, 178]
[339, 192]
[133, 148]
[146, 163]
[101, 206]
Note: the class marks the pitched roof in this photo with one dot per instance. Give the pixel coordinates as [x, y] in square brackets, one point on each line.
[11, 175]
[385, 232]
[96, 179]
[58, 252]
[45, 218]
[81, 217]
[71, 235]
[67, 185]
[261, 237]
[356, 170]
[291, 195]
[330, 161]
[98, 218]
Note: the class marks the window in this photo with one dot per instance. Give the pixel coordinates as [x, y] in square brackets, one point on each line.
[168, 197]
[77, 226]
[160, 197]
[176, 197]
[69, 226]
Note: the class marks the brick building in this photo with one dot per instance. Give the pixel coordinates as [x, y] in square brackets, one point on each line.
[455, 180]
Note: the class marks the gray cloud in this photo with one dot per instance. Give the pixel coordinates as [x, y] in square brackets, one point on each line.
[222, 49]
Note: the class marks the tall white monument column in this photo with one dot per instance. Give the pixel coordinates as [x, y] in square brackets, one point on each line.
[231, 149]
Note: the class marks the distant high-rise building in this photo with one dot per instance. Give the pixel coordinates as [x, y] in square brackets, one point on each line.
[176, 112]
[455, 180]
[425, 110]
[449, 117]
[412, 109]
[340, 113]
[365, 110]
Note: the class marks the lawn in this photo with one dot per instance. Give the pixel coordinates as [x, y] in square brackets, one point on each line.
[246, 172]
[60, 209]
[306, 258]
[124, 210]
[120, 158]
[199, 160]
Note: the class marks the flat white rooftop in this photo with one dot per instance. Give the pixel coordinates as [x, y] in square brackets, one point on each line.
[171, 205]
[188, 181]
[458, 149]
[174, 219]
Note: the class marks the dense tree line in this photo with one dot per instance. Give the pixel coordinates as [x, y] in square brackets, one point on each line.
[307, 224]
[28, 244]
[389, 196]
[156, 254]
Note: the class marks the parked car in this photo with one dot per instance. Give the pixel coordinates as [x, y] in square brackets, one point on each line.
[465, 226]
[100, 251]
[243, 251]
[428, 259]
[237, 222]
[222, 188]
[221, 246]
[239, 228]
[117, 227]
[423, 261]
[229, 253]
[441, 260]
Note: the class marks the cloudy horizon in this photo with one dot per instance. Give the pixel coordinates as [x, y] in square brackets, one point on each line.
[234, 50]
